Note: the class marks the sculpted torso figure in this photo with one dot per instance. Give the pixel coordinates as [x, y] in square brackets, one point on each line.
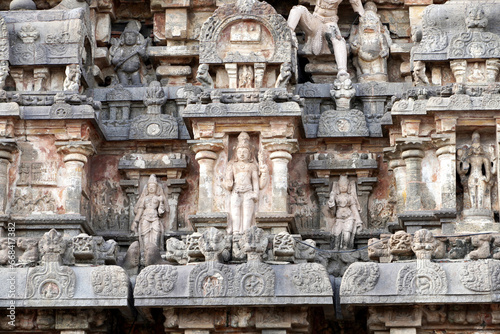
[127, 54]
[148, 210]
[347, 222]
[370, 42]
[242, 179]
[322, 26]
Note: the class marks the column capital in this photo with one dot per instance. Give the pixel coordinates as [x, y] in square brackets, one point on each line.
[213, 145]
[284, 145]
[75, 150]
[7, 148]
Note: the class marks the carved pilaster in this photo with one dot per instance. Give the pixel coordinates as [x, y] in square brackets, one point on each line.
[398, 166]
[365, 187]
[322, 188]
[206, 154]
[446, 151]
[412, 154]
[281, 154]
[175, 187]
[7, 148]
[75, 157]
[40, 76]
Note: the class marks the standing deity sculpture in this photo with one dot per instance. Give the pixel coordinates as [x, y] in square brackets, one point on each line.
[347, 220]
[150, 207]
[321, 26]
[476, 169]
[127, 53]
[244, 178]
[370, 42]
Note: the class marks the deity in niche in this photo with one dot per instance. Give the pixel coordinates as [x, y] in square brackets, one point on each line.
[347, 220]
[127, 53]
[243, 180]
[322, 26]
[370, 43]
[150, 207]
[245, 76]
[476, 168]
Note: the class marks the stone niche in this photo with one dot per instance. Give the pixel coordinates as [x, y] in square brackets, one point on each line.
[244, 44]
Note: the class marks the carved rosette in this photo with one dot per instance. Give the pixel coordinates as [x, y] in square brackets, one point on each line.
[156, 280]
[211, 279]
[154, 126]
[110, 281]
[343, 123]
[360, 278]
[51, 281]
[428, 279]
[311, 278]
[255, 279]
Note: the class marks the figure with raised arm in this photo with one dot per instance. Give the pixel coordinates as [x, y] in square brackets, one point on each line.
[322, 27]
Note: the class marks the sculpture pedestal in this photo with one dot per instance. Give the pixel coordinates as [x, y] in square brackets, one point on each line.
[202, 222]
[275, 223]
[477, 220]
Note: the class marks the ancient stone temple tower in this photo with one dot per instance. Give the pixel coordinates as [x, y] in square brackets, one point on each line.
[243, 166]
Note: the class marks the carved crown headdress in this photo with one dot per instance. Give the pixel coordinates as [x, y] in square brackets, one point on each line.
[243, 141]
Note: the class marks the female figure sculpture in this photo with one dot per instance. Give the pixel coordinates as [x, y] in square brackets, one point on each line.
[150, 207]
[347, 222]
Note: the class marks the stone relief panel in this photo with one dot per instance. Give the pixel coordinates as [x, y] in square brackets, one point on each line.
[109, 203]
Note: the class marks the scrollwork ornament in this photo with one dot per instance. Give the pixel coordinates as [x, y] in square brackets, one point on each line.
[311, 278]
[360, 278]
[110, 281]
[475, 276]
[156, 280]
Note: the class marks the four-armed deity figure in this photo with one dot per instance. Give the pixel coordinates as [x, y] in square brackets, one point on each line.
[150, 207]
[321, 26]
[347, 221]
[475, 169]
[127, 54]
[244, 182]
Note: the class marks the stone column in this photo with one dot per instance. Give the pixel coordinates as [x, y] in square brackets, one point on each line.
[175, 188]
[398, 167]
[75, 158]
[412, 154]
[365, 187]
[131, 187]
[281, 154]
[206, 154]
[7, 148]
[322, 188]
[446, 154]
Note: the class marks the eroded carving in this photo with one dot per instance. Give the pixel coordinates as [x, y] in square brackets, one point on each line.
[311, 278]
[156, 280]
[360, 278]
[110, 281]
